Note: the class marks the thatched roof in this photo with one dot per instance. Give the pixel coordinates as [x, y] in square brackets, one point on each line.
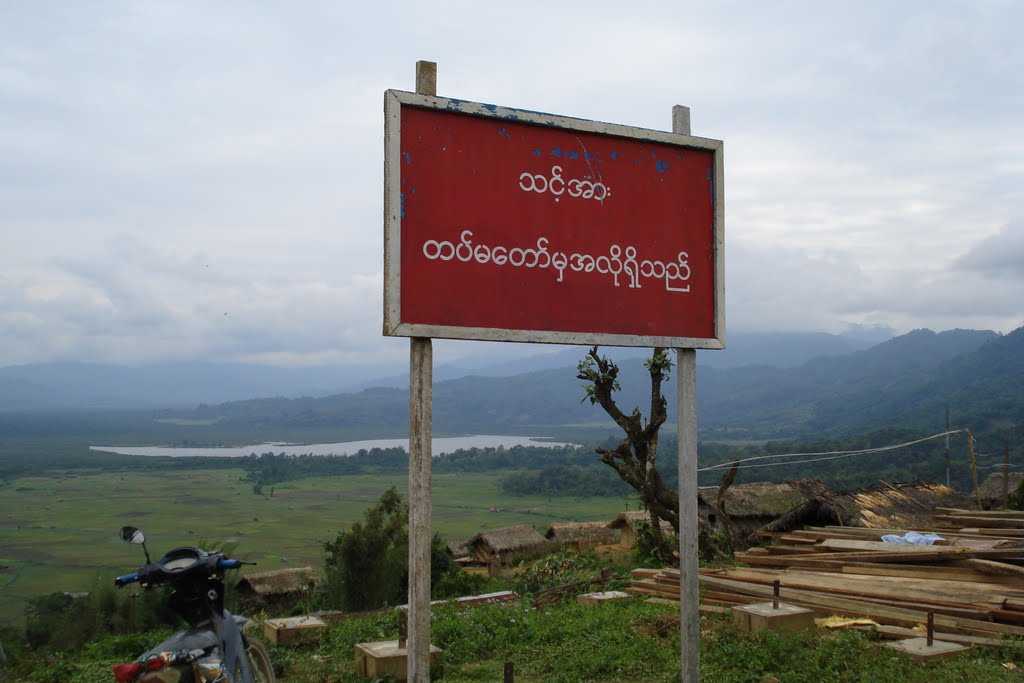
[992, 488]
[630, 518]
[768, 500]
[509, 539]
[280, 581]
[458, 548]
[889, 506]
[582, 532]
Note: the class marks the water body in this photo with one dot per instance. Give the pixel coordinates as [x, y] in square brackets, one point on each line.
[441, 446]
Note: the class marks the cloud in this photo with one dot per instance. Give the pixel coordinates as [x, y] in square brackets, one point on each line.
[133, 303]
[998, 256]
[166, 165]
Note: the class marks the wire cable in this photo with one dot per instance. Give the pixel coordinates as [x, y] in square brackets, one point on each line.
[826, 455]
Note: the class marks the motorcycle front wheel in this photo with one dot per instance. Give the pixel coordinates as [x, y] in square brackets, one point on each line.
[262, 667]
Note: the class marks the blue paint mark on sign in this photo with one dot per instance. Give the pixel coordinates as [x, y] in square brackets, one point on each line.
[660, 166]
[556, 152]
[401, 205]
[407, 158]
[573, 154]
[588, 156]
[614, 155]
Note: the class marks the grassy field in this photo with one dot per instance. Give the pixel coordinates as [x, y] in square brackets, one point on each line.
[59, 532]
[624, 642]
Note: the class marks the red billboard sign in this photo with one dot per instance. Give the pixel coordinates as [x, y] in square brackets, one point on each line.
[503, 224]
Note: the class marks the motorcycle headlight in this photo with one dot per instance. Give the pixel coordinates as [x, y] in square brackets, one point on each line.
[210, 670]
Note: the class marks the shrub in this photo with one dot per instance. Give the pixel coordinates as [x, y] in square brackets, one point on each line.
[366, 567]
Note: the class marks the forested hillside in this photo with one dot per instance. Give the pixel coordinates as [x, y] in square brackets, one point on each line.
[904, 382]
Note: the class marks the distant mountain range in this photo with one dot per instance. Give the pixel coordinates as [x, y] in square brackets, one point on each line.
[906, 381]
[96, 387]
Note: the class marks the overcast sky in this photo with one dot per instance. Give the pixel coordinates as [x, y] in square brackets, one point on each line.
[204, 180]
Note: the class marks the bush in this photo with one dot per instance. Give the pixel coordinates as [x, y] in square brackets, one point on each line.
[366, 567]
[559, 569]
[1016, 499]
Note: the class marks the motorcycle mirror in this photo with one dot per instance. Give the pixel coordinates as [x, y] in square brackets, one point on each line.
[130, 534]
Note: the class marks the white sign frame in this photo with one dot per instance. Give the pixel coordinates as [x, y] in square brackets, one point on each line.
[394, 100]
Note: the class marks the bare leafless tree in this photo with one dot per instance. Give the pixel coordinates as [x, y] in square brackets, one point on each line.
[635, 458]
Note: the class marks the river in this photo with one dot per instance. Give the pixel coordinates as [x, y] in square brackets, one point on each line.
[441, 445]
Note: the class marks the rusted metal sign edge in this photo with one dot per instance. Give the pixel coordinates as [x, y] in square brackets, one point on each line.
[393, 325]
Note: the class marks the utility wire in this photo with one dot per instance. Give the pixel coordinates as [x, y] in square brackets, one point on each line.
[826, 455]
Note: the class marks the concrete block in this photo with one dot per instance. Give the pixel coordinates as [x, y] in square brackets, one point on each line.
[601, 597]
[293, 630]
[386, 658]
[762, 616]
[918, 648]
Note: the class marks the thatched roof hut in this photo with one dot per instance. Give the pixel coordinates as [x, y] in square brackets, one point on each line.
[582, 535]
[508, 545]
[893, 506]
[279, 586]
[627, 522]
[768, 500]
[991, 490]
[760, 505]
[458, 548]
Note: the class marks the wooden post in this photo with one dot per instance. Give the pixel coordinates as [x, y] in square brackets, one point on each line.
[1006, 474]
[421, 370]
[686, 425]
[509, 673]
[974, 468]
[947, 448]
[689, 592]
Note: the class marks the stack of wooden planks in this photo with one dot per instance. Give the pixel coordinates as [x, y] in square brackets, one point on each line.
[982, 523]
[973, 583]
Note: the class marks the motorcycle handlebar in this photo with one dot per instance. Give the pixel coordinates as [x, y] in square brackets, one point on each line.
[223, 564]
[123, 581]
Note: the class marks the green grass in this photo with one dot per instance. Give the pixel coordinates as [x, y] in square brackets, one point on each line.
[629, 641]
[57, 532]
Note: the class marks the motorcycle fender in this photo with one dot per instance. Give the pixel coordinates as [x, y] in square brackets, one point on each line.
[170, 674]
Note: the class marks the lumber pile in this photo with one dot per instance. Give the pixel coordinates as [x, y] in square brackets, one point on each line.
[972, 582]
[982, 523]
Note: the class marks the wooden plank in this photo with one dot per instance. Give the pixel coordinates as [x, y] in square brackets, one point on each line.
[900, 632]
[951, 597]
[987, 522]
[836, 544]
[1004, 533]
[993, 568]
[946, 572]
[878, 612]
[1003, 514]
[931, 553]
[876, 534]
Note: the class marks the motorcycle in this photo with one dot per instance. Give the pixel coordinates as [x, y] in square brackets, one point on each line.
[214, 648]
